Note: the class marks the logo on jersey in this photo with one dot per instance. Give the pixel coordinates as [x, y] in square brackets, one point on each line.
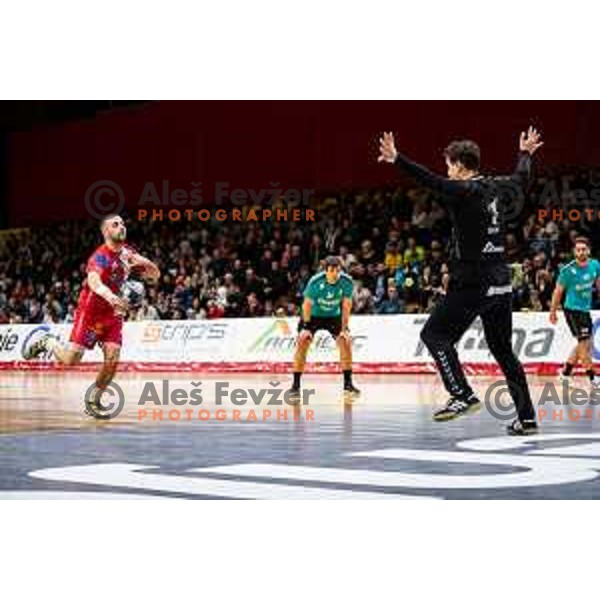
[489, 247]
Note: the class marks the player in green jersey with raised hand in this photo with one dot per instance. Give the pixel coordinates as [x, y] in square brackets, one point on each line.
[327, 305]
[577, 280]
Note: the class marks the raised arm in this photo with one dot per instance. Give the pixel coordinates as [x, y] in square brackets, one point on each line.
[522, 173]
[135, 261]
[422, 175]
[529, 142]
[149, 270]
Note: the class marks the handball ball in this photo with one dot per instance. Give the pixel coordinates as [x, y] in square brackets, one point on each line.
[134, 292]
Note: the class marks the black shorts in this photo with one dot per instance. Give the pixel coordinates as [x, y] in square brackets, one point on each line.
[580, 323]
[331, 324]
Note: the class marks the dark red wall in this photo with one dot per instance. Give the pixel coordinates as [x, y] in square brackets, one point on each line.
[254, 144]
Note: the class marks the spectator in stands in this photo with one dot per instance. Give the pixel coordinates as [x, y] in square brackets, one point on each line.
[521, 284]
[391, 304]
[413, 254]
[253, 285]
[362, 301]
[146, 312]
[512, 249]
[393, 258]
[252, 307]
[347, 258]
[214, 310]
[437, 259]
[544, 286]
[367, 254]
[260, 268]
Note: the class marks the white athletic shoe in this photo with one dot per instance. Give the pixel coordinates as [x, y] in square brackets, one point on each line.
[33, 350]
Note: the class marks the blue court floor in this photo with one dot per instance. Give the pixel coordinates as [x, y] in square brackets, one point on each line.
[382, 446]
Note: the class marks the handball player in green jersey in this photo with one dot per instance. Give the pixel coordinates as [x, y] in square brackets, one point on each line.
[327, 306]
[576, 282]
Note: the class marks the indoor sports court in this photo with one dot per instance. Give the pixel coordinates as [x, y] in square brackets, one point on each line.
[382, 446]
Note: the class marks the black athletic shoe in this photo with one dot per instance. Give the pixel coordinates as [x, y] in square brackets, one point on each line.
[455, 407]
[349, 389]
[350, 393]
[37, 348]
[294, 395]
[522, 428]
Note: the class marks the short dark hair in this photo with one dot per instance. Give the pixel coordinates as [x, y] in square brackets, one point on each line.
[465, 152]
[107, 218]
[333, 261]
[580, 239]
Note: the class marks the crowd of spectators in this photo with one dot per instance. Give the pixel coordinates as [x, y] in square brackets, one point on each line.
[393, 242]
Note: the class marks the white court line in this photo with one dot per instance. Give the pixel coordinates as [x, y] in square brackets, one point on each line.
[128, 475]
[512, 443]
[529, 471]
[534, 470]
[52, 495]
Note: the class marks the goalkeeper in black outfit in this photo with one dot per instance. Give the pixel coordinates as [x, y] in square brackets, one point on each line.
[480, 281]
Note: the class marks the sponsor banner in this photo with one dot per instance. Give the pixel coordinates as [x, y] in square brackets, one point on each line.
[177, 341]
[380, 344]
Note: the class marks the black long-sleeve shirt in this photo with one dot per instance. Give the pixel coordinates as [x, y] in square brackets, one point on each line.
[477, 208]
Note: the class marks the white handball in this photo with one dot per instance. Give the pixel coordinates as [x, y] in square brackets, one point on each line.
[133, 292]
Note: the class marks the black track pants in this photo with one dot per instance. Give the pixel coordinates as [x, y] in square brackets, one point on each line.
[449, 321]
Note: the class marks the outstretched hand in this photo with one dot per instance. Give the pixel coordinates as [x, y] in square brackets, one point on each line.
[530, 141]
[387, 148]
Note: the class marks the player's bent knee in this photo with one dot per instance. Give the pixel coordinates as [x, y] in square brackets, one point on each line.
[343, 338]
[304, 338]
[71, 358]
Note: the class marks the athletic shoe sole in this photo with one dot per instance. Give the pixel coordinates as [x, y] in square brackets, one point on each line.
[522, 432]
[450, 416]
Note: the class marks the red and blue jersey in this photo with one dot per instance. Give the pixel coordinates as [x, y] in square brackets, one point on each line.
[113, 271]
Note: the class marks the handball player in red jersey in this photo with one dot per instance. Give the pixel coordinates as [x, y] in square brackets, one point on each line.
[100, 308]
